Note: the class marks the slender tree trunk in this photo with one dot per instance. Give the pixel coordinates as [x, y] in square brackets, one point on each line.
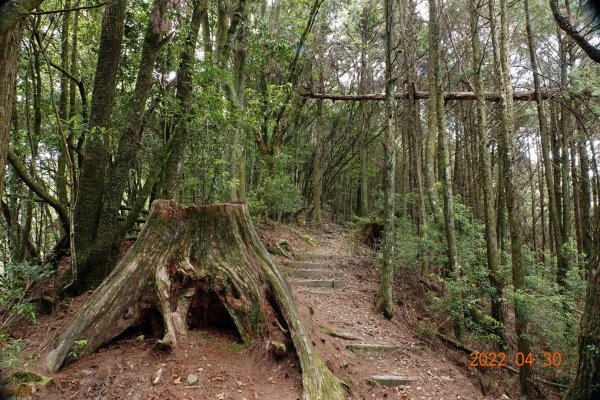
[567, 200]
[317, 166]
[384, 301]
[363, 194]
[413, 129]
[493, 257]
[553, 202]
[444, 162]
[585, 198]
[443, 152]
[513, 198]
[63, 110]
[171, 184]
[574, 175]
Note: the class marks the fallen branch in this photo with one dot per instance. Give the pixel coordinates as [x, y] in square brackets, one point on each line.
[518, 95]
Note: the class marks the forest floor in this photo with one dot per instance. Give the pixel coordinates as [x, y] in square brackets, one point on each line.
[225, 369]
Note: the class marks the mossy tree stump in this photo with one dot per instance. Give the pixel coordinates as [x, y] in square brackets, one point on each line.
[182, 258]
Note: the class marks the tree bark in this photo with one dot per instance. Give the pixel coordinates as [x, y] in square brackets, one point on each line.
[513, 198]
[585, 198]
[185, 261]
[170, 186]
[384, 301]
[95, 160]
[444, 166]
[363, 194]
[10, 41]
[586, 385]
[97, 263]
[493, 256]
[63, 111]
[317, 166]
[11, 14]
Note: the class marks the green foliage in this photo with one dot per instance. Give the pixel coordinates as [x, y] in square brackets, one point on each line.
[549, 309]
[463, 296]
[14, 284]
[11, 350]
[77, 347]
[279, 196]
[552, 320]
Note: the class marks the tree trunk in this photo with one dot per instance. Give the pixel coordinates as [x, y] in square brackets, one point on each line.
[10, 42]
[363, 190]
[444, 166]
[415, 143]
[63, 111]
[493, 256]
[171, 184]
[186, 263]
[513, 198]
[96, 157]
[317, 166]
[586, 385]
[384, 301]
[97, 263]
[584, 198]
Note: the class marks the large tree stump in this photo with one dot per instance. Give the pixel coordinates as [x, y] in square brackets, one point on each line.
[183, 258]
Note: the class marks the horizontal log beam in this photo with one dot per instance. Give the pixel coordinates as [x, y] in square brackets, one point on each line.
[518, 95]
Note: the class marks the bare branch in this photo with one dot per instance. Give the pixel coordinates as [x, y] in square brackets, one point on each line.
[66, 10]
[565, 25]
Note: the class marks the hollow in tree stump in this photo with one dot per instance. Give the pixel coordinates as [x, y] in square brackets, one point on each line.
[183, 258]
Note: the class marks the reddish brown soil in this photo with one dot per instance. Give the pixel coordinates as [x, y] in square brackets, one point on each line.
[127, 367]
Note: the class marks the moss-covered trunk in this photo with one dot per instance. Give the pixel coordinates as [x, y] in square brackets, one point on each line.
[183, 258]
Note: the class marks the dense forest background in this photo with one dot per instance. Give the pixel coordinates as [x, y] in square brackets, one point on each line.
[467, 130]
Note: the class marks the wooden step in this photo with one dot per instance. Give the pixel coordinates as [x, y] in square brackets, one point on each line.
[391, 380]
[371, 349]
[331, 283]
[312, 273]
[307, 265]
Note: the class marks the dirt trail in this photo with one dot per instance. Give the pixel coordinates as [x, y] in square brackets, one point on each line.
[126, 368]
[348, 307]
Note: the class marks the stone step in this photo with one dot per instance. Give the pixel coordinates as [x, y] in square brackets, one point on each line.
[331, 283]
[391, 380]
[340, 334]
[308, 265]
[371, 349]
[312, 273]
[310, 256]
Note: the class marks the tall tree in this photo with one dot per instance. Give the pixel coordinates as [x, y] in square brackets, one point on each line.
[170, 187]
[492, 254]
[99, 260]
[96, 156]
[436, 85]
[385, 301]
[11, 16]
[513, 198]
[363, 194]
